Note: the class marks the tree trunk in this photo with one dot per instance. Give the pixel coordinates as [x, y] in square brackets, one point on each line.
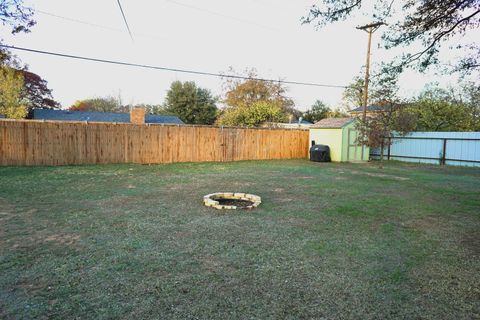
[382, 148]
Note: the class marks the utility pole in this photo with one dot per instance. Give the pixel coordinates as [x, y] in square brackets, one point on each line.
[369, 28]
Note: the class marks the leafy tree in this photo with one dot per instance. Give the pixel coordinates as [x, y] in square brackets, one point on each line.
[382, 90]
[252, 115]
[429, 23]
[337, 114]
[107, 104]
[394, 118]
[439, 109]
[352, 96]
[264, 99]
[190, 103]
[240, 92]
[36, 93]
[471, 98]
[15, 15]
[152, 108]
[318, 112]
[11, 91]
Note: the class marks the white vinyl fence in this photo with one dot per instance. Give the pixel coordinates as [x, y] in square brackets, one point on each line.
[450, 148]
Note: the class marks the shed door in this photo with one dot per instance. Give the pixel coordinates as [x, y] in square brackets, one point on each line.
[354, 152]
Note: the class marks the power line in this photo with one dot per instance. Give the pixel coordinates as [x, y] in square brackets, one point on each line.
[78, 21]
[204, 73]
[223, 15]
[125, 19]
[152, 36]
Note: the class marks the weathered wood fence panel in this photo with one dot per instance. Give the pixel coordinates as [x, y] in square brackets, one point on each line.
[27, 142]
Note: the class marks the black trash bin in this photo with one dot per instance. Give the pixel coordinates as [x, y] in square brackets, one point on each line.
[320, 153]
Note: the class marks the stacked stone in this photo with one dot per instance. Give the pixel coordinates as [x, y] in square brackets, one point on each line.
[210, 200]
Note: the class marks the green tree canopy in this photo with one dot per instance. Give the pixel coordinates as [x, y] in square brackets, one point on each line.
[438, 109]
[106, 104]
[317, 112]
[190, 103]
[265, 100]
[352, 96]
[252, 115]
[151, 108]
[12, 103]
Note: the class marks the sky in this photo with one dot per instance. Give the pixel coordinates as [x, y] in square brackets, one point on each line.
[207, 35]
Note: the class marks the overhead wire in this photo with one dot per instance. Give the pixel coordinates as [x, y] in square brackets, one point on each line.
[222, 15]
[179, 70]
[152, 36]
[125, 19]
[78, 21]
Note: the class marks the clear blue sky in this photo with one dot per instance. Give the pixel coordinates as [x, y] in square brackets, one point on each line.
[208, 35]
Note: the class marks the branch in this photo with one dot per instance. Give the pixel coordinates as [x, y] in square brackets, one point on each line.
[438, 38]
[330, 15]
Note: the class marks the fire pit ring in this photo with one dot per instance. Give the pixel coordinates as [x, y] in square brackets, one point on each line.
[232, 200]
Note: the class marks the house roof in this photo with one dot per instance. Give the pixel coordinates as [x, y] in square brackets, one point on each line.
[332, 123]
[304, 122]
[66, 115]
[370, 108]
[155, 118]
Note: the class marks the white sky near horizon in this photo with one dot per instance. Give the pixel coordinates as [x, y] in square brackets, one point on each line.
[207, 35]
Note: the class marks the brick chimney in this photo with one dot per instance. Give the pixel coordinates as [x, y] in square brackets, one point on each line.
[137, 115]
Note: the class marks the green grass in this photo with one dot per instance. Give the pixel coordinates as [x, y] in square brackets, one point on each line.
[329, 241]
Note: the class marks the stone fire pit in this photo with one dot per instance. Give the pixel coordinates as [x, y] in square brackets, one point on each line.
[232, 200]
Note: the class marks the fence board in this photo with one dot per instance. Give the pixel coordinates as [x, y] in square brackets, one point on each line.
[29, 142]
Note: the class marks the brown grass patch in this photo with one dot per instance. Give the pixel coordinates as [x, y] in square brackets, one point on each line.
[427, 224]
[471, 242]
[296, 222]
[213, 264]
[61, 239]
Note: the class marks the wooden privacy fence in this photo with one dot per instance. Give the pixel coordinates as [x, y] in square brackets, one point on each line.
[28, 142]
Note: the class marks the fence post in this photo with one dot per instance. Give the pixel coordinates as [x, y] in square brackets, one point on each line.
[444, 153]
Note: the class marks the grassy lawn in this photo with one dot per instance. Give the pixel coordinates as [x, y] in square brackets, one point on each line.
[331, 241]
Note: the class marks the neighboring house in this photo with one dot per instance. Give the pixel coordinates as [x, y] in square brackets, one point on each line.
[300, 123]
[372, 110]
[340, 135]
[66, 115]
[2, 116]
